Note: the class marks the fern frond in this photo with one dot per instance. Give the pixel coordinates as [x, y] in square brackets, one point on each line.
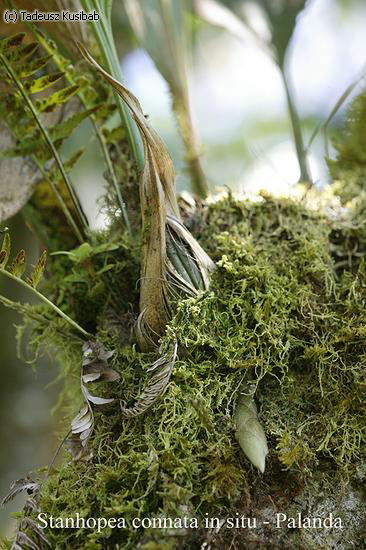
[48, 104]
[16, 271]
[22, 53]
[58, 133]
[17, 268]
[40, 143]
[28, 533]
[43, 82]
[101, 112]
[11, 41]
[36, 276]
[5, 250]
[34, 66]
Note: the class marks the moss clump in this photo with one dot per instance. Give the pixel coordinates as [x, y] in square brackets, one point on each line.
[285, 312]
[350, 164]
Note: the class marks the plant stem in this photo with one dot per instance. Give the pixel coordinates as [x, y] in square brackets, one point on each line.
[340, 101]
[112, 172]
[104, 36]
[47, 301]
[48, 140]
[182, 112]
[181, 106]
[58, 197]
[297, 132]
[26, 310]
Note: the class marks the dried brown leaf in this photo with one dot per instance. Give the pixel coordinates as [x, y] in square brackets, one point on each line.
[162, 369]
[94, 368]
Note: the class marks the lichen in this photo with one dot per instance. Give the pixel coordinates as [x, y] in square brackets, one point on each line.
[285, 312]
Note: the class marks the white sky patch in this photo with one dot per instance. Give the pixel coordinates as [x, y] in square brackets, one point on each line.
[276, 171]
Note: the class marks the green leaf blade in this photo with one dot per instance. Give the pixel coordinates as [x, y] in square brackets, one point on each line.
[28, 69]
[19, 54]
[14, 40]
[43, 82]
[18, 266]
[65, 128]
[38, 271]
[56, 99]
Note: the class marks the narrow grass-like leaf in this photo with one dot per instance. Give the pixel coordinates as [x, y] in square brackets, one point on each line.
[338, 104]
[104, 36]
[220, 15]
[159, 27]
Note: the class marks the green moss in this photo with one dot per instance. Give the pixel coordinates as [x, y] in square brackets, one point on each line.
[349, 165]
[285, 312]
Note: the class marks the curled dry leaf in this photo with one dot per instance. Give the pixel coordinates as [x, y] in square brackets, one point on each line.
[94, 368]
[161, 370]
[28, 534]
[249, 432]
[167, 245]
[19, 486]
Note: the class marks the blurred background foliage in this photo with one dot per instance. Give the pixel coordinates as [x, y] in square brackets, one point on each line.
[226, 61]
